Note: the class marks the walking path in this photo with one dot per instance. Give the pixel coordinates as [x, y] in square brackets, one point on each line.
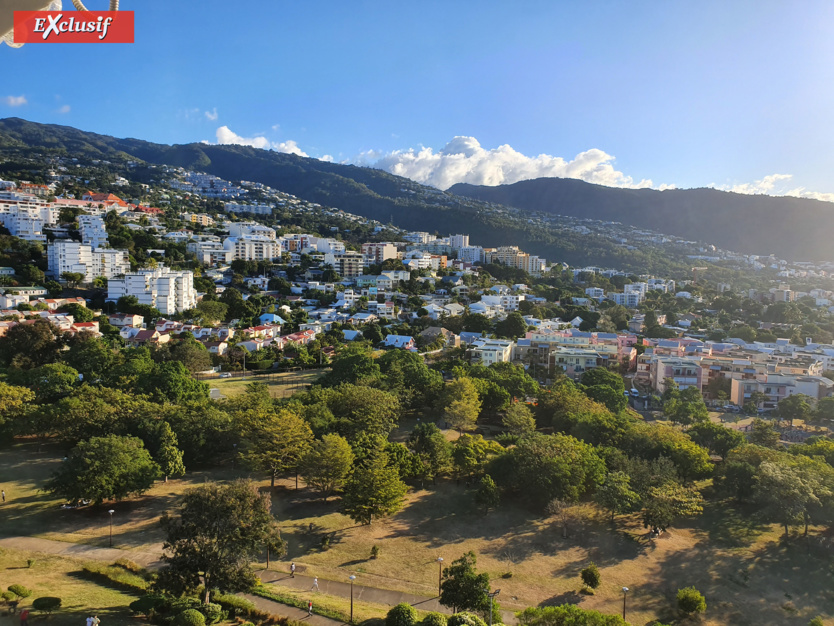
[149, 558]
[146, 557]
[385, 597]
[299, 615]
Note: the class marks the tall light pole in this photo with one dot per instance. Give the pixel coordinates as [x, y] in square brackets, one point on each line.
[352, 578]
[439, 573]
[625, 593]
[491, 597]
[111, 511]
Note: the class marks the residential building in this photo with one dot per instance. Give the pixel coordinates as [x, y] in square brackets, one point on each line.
[64, 255]
[403, 342]
[92, 230]
[379, 252]
[685, 372]
[573, 361]
[489, 351]
[198, 218]
[347, 265]
[167, 290]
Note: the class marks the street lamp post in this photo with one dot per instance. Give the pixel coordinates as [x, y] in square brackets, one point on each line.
[491, 597]
[439, 573]
[352, 578]
[625, 593]
[111, 511]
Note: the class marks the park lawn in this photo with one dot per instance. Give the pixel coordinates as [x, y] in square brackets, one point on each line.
[334, 607]
[280, 385]
[29, 511]
[61, 577]
[748, 574]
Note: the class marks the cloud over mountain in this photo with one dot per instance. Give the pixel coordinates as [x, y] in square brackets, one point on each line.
[464, 160]
[225, 135]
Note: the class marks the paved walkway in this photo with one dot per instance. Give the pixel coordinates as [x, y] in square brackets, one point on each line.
[146, 557]
[385, 597]
[300, 615]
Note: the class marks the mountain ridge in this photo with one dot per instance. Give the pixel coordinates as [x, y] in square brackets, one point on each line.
[796, 228]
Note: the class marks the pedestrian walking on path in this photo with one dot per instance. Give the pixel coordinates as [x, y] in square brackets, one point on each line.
[315, 584]
[310, 608]
[24, 617]
[4, 495]
[292, 570]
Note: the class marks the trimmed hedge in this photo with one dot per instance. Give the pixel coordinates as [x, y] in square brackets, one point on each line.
[117, 576]
[47, 604]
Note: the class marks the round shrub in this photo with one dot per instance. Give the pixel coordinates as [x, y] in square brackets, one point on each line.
[146, 604]
[212, 612]
[8, 596]
[401, 615]
[691, 601]
[47, 604]
[234, 605]
[190, 617]
[20, 591]
[590, 576]
[465, 619]
[434, 619]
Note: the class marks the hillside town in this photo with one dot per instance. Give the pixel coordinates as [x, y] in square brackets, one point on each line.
[325, 284]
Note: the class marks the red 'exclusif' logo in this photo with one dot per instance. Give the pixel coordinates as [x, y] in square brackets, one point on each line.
[73, 27]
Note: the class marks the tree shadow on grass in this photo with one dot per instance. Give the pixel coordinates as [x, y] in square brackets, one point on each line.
[779, 582]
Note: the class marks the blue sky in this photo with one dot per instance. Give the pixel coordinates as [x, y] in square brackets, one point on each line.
[676, 93]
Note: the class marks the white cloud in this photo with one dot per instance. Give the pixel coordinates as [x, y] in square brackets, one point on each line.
[276, 127]
[774, 185]
[211, 115]
[14, 101]
[463, 160]
[64, 109]
[225, 135]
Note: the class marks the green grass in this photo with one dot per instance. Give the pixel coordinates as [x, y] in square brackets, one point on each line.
[117, 576]
[281, 385]
[62, 577]
[742, 564]
[334, 607]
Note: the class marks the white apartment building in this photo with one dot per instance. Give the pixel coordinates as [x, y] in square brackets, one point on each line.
[459, 241]
[110, 263]
[419, 237]
[27, 219]
[258, 209]
[210, 252]
[72, 256]
[471, 254]
[165, 289]
[250, 229]
[507, 302]
[329, 245]
[489, 351]
[93, 232]
[253, 248]
[629, 300]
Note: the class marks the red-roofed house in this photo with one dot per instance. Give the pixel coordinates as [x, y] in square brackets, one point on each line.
[103, 198]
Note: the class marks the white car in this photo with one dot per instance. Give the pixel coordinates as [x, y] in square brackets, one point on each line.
[226, 375]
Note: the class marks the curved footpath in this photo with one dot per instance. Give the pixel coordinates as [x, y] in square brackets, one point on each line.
[150, 559]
